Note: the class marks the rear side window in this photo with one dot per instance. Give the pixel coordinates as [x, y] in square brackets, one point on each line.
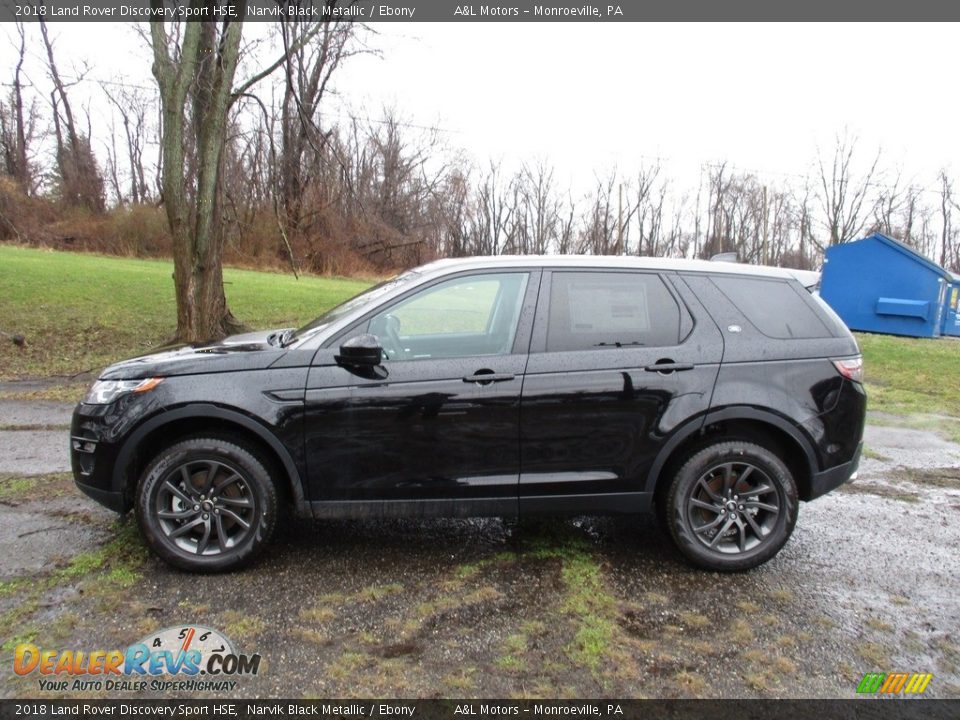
[774, 307]
[590, 310]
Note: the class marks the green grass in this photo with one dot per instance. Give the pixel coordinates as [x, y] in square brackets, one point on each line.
[241, 625]
[105, 573]
[80, 312]
[34, 487]
[585, 599]
[909, 375]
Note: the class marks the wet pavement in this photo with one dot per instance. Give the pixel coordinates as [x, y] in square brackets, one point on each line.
[34, 413]
[482, 608]
[40, 442]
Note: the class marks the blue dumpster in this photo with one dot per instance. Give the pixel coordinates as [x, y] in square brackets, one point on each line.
[951, 309]
[878, 284]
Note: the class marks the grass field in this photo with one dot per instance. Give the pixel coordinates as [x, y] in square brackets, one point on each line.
[912, 375]
[81, 312]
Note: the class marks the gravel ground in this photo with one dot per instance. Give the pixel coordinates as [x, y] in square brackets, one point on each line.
[483, 608]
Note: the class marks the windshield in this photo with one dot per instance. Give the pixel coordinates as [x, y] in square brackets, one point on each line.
[357, 302]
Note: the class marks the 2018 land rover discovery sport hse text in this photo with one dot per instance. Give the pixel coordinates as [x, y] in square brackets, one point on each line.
[715, 394]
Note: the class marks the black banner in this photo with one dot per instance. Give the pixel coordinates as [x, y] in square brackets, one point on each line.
[860, 709]
[451, 10]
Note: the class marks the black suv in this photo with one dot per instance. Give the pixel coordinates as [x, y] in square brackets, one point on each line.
[716, 394]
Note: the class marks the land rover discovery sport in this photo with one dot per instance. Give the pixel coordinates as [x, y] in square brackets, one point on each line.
[714, 394]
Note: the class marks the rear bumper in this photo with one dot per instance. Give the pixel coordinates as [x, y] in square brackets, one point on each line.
[823, 482]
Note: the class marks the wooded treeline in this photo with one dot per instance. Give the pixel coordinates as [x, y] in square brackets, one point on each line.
[332, 193]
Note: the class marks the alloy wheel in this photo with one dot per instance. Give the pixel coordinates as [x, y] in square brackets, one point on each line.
[205, 507]
[733, 507]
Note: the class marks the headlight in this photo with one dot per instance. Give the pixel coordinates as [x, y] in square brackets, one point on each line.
[104, 392]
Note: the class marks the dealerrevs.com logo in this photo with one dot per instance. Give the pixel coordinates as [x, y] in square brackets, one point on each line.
[188, 658]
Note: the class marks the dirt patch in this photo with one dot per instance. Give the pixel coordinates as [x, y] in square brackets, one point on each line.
[61, 390]
[881, 490]
[37, 532]
[945, 477]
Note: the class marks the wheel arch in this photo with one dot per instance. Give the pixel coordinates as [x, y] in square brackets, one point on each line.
[746, 423]
[168, 427]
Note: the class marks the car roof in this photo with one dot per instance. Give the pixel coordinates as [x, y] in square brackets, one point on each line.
[620, 262]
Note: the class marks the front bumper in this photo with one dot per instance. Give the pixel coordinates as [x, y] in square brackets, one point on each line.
[108, 498]
[823, 482]
[94, 445]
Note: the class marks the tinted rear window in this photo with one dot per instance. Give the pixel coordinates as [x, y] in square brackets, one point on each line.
[774, 307]
[590, 310]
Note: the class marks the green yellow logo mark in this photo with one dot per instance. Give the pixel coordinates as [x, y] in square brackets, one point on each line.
[894, 683]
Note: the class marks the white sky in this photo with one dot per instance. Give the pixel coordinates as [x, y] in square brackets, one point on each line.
[589, 96]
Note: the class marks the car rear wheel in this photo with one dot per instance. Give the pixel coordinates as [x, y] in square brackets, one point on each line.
[732, 506]
[207, 505]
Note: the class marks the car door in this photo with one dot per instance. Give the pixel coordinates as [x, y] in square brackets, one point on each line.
[434, 428]
[617, 362]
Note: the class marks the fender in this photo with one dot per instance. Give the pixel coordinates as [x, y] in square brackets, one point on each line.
[734, 412]
[204, 411]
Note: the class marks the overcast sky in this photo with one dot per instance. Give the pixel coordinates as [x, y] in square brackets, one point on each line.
[589, 96]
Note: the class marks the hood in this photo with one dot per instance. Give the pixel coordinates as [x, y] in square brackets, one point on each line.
[248, 351]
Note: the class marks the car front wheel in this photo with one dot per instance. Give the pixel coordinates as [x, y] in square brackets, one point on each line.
[732, 506]
[206, 504]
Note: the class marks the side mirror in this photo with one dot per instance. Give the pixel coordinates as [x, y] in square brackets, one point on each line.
[360, 351]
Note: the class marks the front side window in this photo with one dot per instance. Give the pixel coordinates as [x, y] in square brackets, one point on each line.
[461, 317]
[357, 302]
[594, 310]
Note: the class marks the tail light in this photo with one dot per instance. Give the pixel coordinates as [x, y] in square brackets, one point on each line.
[850, 368]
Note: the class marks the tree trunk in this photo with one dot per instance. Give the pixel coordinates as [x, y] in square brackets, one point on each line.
[196, 84]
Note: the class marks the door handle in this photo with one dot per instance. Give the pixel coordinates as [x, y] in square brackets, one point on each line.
[485, 378]
[669, 367]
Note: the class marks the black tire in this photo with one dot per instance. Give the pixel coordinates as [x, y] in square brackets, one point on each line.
[231, 513]
[732, 506]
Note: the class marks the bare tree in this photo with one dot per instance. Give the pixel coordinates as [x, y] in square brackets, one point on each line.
[804, 221]
[651, 196]
[677, 241]
[912, 212]
[195, 77]
[17, 124]
[538, 209]
[195, 64]
[308, 68]
[80, 180]
[493, 213]
[133, 107]
[949, 235]
[717, 238]
[566, 231]
[113, 175]
[450, 210]
[887, 206]
[843, 192]
[598, 233]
